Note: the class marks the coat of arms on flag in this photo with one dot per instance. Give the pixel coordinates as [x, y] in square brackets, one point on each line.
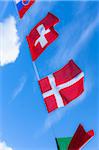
[77, 142]
[23, 6]
[42, 35]
[63, 86]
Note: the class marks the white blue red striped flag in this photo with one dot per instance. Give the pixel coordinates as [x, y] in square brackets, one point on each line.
[23, 6]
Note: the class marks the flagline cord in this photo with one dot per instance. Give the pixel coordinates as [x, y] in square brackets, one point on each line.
[37, 74]
[38, 78]
[36, 71]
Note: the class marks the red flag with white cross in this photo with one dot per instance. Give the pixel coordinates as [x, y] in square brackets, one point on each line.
[42, 35]
[63, 86]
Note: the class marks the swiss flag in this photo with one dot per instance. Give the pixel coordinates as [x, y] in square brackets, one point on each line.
[80, 138]
[63, 86]
[23, 6]
[42, 35]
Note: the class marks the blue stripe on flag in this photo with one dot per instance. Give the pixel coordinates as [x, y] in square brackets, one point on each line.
[20, 5]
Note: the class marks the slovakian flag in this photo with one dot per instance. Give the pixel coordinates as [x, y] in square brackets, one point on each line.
[23, 6]
[80, 138]
[77, 142]
[42, 35]
[63, 86]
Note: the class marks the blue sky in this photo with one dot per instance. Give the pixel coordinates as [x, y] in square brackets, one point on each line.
[24, 121]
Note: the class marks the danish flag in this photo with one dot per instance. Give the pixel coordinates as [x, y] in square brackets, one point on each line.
[23, 6]
[80, 138]
[63, 86]
[42, 35]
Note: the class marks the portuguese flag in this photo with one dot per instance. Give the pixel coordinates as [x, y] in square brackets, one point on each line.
[77, 142]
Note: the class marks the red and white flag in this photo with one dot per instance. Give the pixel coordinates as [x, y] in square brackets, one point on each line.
[80, 138]
[42, 35]
[63, 86]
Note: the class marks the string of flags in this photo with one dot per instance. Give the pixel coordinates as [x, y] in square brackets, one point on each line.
[61, 87]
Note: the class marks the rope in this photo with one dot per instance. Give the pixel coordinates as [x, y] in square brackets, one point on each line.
[36, 71]
[38, 78]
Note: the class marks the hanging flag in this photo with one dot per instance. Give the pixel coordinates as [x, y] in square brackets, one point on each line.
[80, 138]
[63, 143]
[42, 35]
[63, 86]
[77, 142]
[23, 6]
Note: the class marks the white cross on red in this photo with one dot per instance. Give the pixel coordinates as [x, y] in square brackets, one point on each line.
[42, 32]
[55, 89]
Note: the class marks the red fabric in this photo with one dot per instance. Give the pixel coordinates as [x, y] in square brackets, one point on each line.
[45, 85]
[49, 21]
[62, 76]
[70, 93]
[50, 103]
[25, 8]
[68, 72]
[80, 138]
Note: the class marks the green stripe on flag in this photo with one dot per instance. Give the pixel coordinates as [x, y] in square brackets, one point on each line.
[63, 143]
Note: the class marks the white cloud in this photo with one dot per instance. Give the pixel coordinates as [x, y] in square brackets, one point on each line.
[9, 41]
[4, 146]
[85, 36]
[74, 36]
[54, 118]
[49, 121]
[19, 87]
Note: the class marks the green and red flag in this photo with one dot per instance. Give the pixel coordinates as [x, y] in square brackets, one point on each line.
[77, 142]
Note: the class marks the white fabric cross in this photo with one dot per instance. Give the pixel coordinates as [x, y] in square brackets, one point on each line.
[55, 89]
[42, 40]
